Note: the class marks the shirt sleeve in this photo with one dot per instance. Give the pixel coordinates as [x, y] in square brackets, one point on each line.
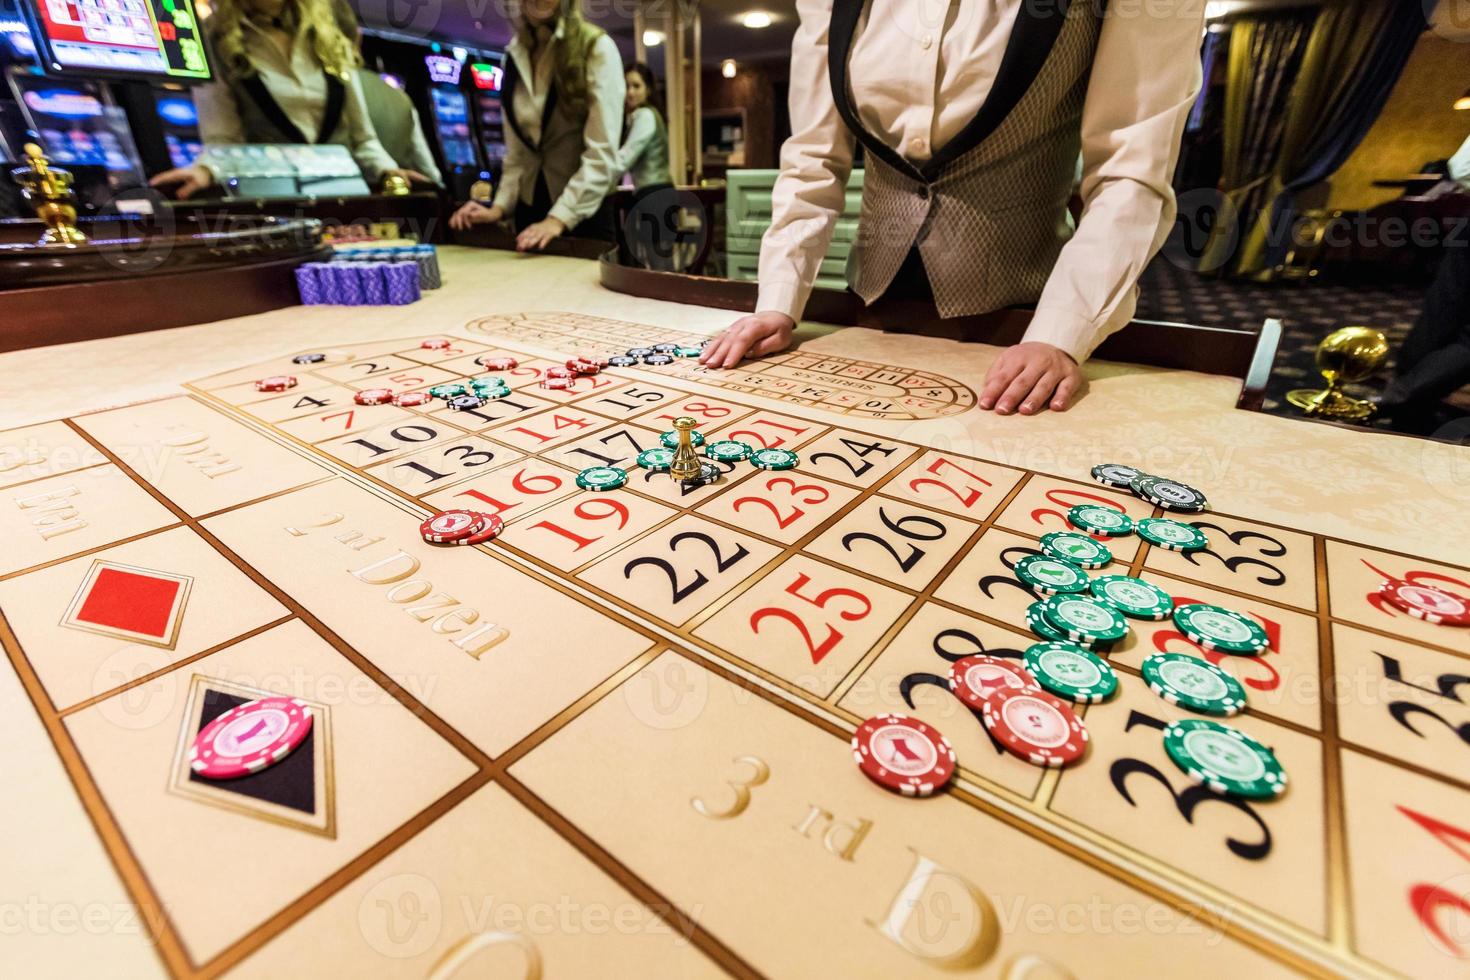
[362, 138]
[421, 158]
[1145, 76]
[594, 179]
[513, 167]
[1459, 166]
[641, 132]
[810, 191]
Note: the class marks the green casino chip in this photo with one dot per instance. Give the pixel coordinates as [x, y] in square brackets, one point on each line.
[1218, 628]
[601, 478]
[1192, 683]
[1078, 549]
[452, 389]
[1225, 759]
[492, 394]
[1050, 576]
[774, 459]
[1038, 624]
[689, 351]
[670, 439]
[1101, 520]
[656, 459]
[1133, 596]
[1085, 619]
[1115, 474]
[1171, 535]
[1072, 672]
[729, 451]
[488, 381]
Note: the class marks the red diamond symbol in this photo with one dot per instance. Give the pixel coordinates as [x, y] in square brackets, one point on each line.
[129, 603]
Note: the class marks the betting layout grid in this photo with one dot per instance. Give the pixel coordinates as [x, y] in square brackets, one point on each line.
[1267, 554]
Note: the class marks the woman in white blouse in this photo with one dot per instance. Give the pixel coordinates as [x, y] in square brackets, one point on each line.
[286, 74]
[972, 114]
[563, 99]
[644, 155]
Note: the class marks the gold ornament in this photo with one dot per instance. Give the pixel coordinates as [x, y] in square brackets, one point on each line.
[1344, 357]
[48, 191]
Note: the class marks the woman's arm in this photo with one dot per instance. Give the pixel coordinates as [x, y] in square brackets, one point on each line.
[641, 132]
[598, 172]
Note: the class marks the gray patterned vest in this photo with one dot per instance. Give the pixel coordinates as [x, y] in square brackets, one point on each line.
[988, 212]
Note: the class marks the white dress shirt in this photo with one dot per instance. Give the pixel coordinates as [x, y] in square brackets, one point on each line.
[598, 170]
[299, 87]
[645, 168]
[1459, 166]
[920, 70]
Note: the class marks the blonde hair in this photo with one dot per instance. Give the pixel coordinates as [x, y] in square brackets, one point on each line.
[311, 20]
[570, 69]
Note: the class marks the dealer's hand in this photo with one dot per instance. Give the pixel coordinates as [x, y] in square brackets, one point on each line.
[184, 180]
[1030, 377]
[412, 176]
[750, 336]
[473, 213]
[538, 236]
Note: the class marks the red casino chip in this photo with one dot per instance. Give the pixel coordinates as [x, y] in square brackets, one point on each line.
[250, 737]
[583, 367]
[557, 384]
[1035, 726]
[451, 526]
[412, 399]
[1426, 602]
[276, 382]
[597, 362]
[560, 372]
[974, 679]
[491, 526]
[437, 344]
[903, 754]
[373, 396]
[497, 363]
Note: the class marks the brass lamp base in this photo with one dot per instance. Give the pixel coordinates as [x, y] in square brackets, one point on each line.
[1329, 403]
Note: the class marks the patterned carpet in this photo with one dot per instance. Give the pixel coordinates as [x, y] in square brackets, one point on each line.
[1308, 312]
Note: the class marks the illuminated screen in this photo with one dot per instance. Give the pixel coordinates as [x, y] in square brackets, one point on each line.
[452, 120]
[487, 77]
[124, 37]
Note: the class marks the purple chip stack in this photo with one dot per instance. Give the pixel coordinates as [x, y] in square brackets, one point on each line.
[326, 285]
[348, 280]
[374, 284]
[308, 285]
[403, 282]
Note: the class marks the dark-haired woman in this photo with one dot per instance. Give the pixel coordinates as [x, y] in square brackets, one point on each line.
[644, 155]
[563, 99]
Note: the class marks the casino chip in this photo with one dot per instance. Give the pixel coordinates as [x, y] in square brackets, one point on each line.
[1084, 619]
[1115, 474]
[437, 344]
[622, 360]
[973, 679]
[665, 348]
[904, 754]
[1168, 494]
[670, 439]
[1225, 759]
[729, 451]
[276, 382]
[1105, 522]
[412, 399]
[488, 381]
[1426, 602]
[1133, 596]
[497, 363]
[1049, 576]
[448, 390]
[308, 358]
[1038, 624]
[490, 527]
[689, 352]
[558, 384]
[1078, 549]
[1034, 726]
[1171, 535]
[602, 478]
[1218, 628]
[250, 737]
[774, 459]
[639, 352]
[559, 372]
[466, 403]
[656, 459]
[373, 396]
[708, 473]
[1192, 683]
[658, 360]
[1071, 671]
[449, 526]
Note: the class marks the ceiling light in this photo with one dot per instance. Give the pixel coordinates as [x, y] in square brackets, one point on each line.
[727, 68]
[652, 39]
[756, 19]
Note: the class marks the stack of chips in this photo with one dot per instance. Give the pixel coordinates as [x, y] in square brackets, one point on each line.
[424, 257]
[339, 283]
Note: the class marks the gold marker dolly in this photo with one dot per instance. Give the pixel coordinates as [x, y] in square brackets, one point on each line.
[685, 465]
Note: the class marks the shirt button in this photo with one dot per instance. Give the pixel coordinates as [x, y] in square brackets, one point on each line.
[917, 145]
[926, 42]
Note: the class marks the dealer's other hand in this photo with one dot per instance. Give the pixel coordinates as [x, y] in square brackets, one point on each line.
[750, 336]
[1030, 377]
[473, 213]
[538, 236]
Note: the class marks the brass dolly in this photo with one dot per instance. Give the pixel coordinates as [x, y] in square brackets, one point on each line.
[48, 191]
